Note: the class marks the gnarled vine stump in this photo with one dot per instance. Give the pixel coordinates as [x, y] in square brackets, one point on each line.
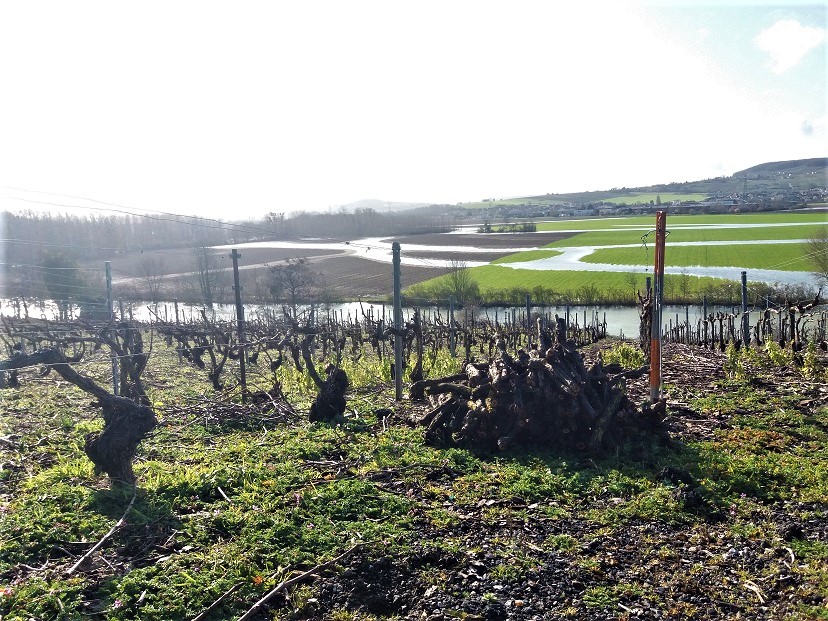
[330, 402]
[126, 422]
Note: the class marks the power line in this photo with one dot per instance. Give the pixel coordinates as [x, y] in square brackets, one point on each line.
[128, 211]
[34, 242]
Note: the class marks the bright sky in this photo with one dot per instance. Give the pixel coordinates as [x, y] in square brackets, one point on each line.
[234, 109]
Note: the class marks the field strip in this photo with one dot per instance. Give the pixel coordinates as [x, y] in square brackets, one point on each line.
[791, 256]
[572, 257]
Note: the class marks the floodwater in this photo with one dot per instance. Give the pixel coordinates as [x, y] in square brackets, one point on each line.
[620, 320]
[571, 257]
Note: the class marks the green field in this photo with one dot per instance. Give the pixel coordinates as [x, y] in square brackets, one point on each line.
[622, 236]
[678, 221]
[510, 285]
[499, 284]
[529, 255]
[776, 256]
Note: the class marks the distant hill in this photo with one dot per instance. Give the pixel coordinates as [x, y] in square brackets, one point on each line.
[770, 177]
[784, 176]
[810, 166]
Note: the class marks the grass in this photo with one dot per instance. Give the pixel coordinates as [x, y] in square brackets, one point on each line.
[529, 255]
[501, 286]
[630, 236]
[760, 256]
[683, 220]
[509, 285]
[223, 504]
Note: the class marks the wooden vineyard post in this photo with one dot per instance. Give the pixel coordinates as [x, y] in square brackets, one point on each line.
[655, 333]
[704, 318]
[108, 269]
[239, 324]
[451, 328]
[745, 314]
[398, 340]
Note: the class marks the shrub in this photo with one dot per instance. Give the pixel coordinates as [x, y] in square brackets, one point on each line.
[628, 356]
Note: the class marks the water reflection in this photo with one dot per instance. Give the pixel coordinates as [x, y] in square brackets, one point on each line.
[620, 320]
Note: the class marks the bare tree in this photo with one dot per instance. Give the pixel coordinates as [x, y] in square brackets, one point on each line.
[208, 275]
[817, 252]
[152, 271]
[293, 281]
[684, 285]
[63, 280]
[631, 278]
[461, 283]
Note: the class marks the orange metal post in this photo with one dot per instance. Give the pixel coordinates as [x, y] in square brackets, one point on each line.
[655, 333]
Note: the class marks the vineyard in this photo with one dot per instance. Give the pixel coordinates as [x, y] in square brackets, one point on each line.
[192, 469]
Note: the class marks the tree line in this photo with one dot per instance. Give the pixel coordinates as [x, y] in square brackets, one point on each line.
[45, 253]
[26, 233]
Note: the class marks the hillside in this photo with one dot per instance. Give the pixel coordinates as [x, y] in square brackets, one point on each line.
[788, 175]
[809, 167]
[784, 176]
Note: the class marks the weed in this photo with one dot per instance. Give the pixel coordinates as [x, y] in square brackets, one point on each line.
[811, 364]
[777, 354]
[741, 363]
[628, 356]
[562, 542]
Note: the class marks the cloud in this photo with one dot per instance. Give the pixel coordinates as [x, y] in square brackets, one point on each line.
[787, 42]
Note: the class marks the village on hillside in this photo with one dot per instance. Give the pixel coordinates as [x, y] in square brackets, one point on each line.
[716, 203]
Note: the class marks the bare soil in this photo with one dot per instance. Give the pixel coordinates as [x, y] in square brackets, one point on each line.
[351, 277]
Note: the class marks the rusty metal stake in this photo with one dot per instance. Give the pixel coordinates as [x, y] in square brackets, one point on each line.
[655, 332]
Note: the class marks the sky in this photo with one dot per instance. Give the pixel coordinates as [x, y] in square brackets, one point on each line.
[235, 109]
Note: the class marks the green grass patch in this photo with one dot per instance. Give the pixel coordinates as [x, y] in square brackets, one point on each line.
[529, 255]
[633, 236]
[760, 256]
[677, 221]
[498, 283]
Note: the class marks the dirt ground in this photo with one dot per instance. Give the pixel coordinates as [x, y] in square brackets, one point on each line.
[350, 277]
